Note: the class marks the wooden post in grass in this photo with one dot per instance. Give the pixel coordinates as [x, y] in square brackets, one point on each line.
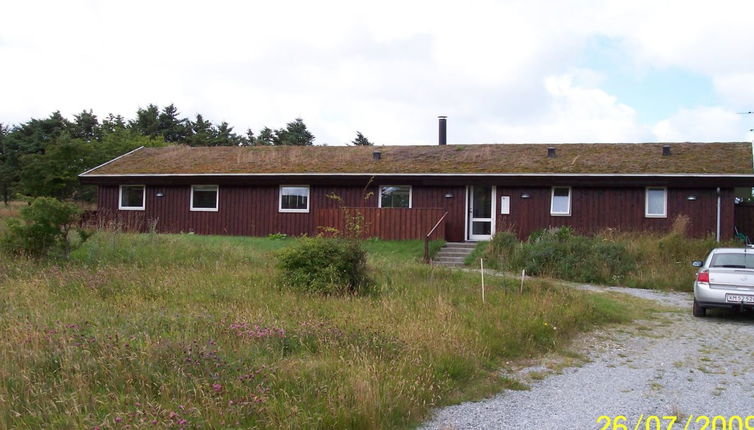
[523, 275]
[481, 270]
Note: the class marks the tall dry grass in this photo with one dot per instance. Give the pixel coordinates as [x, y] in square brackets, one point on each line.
[193, 332]
[12, 209]
[664, 261]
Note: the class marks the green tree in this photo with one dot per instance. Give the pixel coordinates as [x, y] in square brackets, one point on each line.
[202, 132]
[266, 138]
[294, 134]
[226, 137]
[31, 137]
[86, 126]
[119, 142]
[45, 226]
[34, 135]
[6, 171]
[147, 121]
[54, 172]
[249, 138]
[113, 124]
[172, 128]
[360, 140]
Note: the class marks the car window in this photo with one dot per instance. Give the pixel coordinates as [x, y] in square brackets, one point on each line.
[737, 260]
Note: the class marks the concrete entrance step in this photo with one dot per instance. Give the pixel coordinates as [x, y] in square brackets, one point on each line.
[453, 254]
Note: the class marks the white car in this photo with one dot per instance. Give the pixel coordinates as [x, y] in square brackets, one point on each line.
[725, 280]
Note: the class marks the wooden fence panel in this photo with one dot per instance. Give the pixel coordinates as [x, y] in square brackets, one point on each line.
[384, 223]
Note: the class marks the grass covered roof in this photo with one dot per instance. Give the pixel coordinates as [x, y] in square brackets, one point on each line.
[600, 158]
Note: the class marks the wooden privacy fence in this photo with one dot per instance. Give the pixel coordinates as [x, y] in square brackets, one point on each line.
[384, 223]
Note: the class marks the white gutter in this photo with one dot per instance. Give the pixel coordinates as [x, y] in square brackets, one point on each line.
[108, 162]
[717, 236]
[564, 175]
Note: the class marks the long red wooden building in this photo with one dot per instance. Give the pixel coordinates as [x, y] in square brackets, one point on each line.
[403, 191]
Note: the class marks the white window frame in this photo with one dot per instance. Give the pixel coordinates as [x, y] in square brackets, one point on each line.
[308, 199]
[664, 213]
[410, 195]
[552, 202]
[132, 208]
[206, 187]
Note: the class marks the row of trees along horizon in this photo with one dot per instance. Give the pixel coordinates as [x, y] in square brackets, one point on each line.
[43, 157]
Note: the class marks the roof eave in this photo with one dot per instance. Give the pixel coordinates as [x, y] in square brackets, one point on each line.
[111, 161]
[662, 175]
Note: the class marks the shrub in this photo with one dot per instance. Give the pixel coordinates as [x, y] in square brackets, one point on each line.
[44, 228]
[325, 265]
[502, 243]
[646, 260]
[559, 253]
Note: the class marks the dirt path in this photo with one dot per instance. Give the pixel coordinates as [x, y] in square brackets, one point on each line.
[673, 365]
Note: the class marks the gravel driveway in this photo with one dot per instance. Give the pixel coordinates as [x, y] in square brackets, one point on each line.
[673, 365]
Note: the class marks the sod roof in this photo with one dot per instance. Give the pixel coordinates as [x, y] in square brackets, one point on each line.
[603, 158]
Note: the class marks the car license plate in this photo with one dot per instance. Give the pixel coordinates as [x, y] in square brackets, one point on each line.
[738, 298]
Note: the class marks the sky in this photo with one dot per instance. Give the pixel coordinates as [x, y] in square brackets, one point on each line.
[502, 71]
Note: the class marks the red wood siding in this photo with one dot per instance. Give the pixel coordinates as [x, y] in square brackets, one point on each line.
[744, 219]
[387, 223]
[595, 209]
[434, 197]
[252, 210]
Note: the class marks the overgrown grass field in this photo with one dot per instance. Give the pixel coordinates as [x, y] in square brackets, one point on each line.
[169, 331]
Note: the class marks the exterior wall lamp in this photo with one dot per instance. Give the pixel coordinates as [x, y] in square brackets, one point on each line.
[525, 196]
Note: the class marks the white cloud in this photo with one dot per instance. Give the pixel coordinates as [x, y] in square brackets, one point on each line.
[577, 114]
[502, 71]
[702, 123]
[737, 89]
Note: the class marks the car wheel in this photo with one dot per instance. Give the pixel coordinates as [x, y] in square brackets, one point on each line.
[698, 310]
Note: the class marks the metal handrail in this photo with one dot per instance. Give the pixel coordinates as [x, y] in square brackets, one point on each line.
[426, 238]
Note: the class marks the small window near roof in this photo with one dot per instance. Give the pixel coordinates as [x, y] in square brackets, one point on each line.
[294, 198]
[131, 198]
[656, 202]
[561, 201]
[395, 196]
[204, 198]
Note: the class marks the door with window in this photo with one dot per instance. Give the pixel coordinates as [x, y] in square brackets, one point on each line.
[481, 212]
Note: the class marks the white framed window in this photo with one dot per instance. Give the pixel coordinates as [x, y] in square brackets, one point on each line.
[560, 201]
[294, 198]
[395, 196]
[132, 197]
[205, 198]
[656, 202]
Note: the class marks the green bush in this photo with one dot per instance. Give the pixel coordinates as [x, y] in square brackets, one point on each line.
[558, 253]
[326, 266]
[645, 260]
[44, 229]
[503, 243]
